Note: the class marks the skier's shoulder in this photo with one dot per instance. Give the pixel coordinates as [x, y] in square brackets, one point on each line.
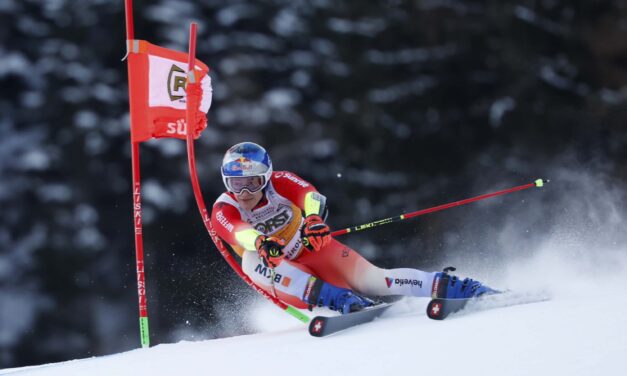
[226, 198]
[288, 178]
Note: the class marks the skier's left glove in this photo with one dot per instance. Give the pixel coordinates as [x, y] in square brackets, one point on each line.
[315, 233]
[270, 250]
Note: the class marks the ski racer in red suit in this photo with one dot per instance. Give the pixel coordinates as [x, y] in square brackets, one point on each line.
[275, 222]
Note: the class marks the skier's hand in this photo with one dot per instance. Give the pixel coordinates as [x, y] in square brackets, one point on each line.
[270, 250]
[315, 233]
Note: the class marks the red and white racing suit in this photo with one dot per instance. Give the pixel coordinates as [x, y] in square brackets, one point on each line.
[286, 201]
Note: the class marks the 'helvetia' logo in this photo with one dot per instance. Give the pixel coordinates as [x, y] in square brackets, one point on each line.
[176, 83]
[403, 281]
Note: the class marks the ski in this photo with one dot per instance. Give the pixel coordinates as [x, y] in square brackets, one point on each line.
[321, 326]
[437, 309]
[440, 309]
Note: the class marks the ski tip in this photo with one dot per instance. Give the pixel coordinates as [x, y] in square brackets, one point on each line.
[435, 310]
[317, 325]
[541, 182]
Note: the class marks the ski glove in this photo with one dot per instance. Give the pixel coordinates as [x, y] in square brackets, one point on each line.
[270, 250]
[315, 233]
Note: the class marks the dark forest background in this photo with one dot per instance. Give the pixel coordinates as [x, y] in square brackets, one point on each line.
[386, 106]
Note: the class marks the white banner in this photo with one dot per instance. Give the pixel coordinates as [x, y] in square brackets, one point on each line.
[167, 79]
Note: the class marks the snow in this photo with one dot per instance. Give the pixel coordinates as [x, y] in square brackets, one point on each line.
[21, 310]
[499, 108]
[287, 23]
[581, 330]
[367, 27]
[402, 90]
[578, 259]
[411, 55]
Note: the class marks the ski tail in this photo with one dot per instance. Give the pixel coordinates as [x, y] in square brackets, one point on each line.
[321, 326]
[440, 309]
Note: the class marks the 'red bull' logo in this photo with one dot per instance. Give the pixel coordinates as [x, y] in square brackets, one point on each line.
[242, 164]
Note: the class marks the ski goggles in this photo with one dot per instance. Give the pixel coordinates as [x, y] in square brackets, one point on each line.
[252, 184]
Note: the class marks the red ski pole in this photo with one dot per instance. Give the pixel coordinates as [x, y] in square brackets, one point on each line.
[538, 183]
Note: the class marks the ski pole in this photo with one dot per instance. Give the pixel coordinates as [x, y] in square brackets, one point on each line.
[538, 183]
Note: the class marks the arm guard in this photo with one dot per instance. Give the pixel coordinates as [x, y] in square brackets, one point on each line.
[316, 204]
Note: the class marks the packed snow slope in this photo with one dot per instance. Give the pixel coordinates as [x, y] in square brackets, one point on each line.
[582, 333]
[578, 258]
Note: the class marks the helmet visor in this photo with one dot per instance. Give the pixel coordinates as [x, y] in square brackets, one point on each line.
[251, 184]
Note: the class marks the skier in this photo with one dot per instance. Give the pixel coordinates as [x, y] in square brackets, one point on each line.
[275, 222]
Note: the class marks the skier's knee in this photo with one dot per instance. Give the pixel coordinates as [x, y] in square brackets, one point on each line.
[371, 282]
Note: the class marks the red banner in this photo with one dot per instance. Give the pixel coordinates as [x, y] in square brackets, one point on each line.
[158, 92]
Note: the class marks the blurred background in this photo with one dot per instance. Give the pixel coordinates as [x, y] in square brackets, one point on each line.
[387, 106]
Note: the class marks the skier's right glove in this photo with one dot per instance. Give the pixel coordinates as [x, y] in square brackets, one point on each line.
[315, 233]
[270, 250]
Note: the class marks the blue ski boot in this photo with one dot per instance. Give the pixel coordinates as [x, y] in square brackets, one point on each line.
[446, 286]
[322, 294]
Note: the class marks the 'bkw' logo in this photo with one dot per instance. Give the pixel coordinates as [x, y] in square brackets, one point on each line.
[177, 80]
[389, 281]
